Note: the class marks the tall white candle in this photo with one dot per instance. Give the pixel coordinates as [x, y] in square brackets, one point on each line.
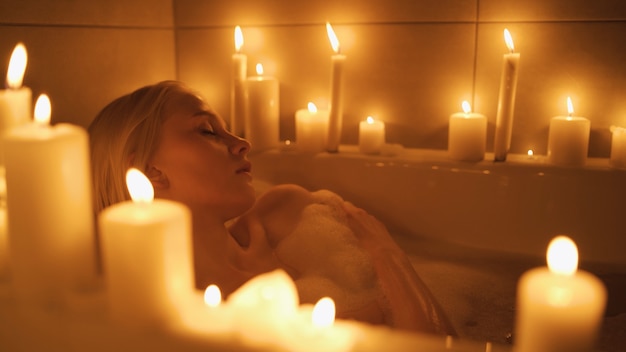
[559, 308]
[147, 256]
[335, 119]
[262, 111]
[50, 214]
[467, 135]
[15, 102]
[371, 136]
[311, 129]
[506, 101]
[618, 147]
[237, 92]
[568, 138]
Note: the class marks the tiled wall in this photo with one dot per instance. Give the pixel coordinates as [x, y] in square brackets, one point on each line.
[410, 63]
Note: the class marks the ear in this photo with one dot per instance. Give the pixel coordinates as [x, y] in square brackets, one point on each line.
[157, 177]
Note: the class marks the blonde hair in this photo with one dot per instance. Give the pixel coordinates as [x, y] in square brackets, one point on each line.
[125, 134]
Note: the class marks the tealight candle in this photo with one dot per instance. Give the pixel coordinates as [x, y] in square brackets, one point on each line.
[262, 112]
[237, 92]
[467, 135]
[506, 100]
[371, 136]
[618, 147]
[50, 214]
[336, 93]
[559, 307]
[147, 256]
[568, 138]
[311, 129]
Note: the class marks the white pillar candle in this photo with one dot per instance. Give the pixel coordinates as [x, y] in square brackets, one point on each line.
[237, 92]
[147, 256]
[618, 147]
[263, 111]
[467, 135]
[371, 136]
[568, 138]
[506, 101]
[50, 213]
[15, 102]
[335, 118]
[311, 129]
[559, 308]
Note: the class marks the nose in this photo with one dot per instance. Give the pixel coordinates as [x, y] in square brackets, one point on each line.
[239, 146]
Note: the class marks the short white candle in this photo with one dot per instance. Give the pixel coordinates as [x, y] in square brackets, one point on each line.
[335, 119]
[147, 256]
[237, 92]
[506, 100]
[50, 214]
[467, 135]
[262, 111]
[568, 138]
[618, 147]
[559, 308]
[371, 136]
[311, 129]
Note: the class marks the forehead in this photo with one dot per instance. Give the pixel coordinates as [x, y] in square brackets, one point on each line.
[186, 105]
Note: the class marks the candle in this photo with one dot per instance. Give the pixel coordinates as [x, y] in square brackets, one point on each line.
[237, 92]
[467, 135]
[559, 308]
[50, 214]
[506, 100]
[618, 147]
[262, 117]
[147, 256]
[336, 93]
[568, 138]
[311, 129]
[371, 136]
[15, 102]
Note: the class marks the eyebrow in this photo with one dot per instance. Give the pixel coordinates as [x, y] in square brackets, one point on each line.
[212, 117]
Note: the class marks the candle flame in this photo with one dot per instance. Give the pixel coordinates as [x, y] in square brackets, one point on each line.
[212, 296]
[334, 42]
[370, 120]
[570, 107]
[530, 152]
[43, 110]
[312, 108]
[238, 39]
[259, 69]
[17, 66]
[139, 186]
[562, 256]
[324, 312]
[508, 40]
[467, 108]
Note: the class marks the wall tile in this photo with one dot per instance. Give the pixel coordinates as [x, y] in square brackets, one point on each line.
[553, 10]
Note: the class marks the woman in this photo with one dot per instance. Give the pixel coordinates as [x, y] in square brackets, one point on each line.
[184, 148]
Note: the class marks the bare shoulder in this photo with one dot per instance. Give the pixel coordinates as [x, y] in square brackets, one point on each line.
[285, 195]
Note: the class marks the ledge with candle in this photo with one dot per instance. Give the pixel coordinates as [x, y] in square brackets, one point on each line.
[335, 118]
[311, 129]
[262, 111]
[568, 138]
[467, 135]
[506, 100]
[237, 89]
[618, 147]
[371, 136]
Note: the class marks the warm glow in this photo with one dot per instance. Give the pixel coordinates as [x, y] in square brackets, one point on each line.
[139, 186]
[212, 296]
[570, 107]
[238, 39]
[508, 40]
[530, 152]
[43, 110]
[312, 108]
[370, 120]
[562, 256]
[334, 42]
[17, 66]
[467, 108]
[324, 312]
[259, 69]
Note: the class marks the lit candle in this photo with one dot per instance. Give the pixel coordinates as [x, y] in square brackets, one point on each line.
[262, 112]
[237, 92]
[50, 214]
[371, 136]
[506, 100]
[15, 102]
[147, 256]
[559, 307]
[336, 93]
[467, 135]
[618, 147]
[311, 129]
[568, 138]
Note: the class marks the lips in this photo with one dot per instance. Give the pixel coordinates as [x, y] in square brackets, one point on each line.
[247, 167]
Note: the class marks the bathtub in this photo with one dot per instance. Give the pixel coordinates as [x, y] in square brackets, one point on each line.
[471, 229]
